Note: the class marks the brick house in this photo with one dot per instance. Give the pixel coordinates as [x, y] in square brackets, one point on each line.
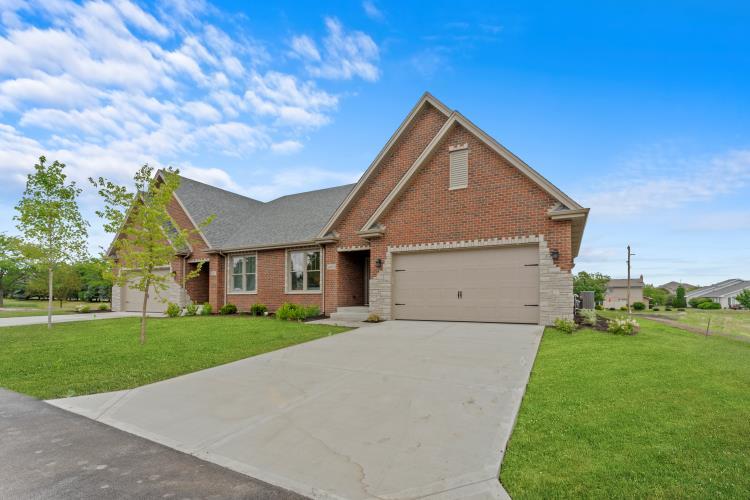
[445, 224]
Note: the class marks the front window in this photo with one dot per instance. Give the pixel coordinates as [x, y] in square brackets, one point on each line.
[304, 270]
[243, 273]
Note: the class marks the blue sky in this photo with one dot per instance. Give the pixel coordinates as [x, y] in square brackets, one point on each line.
[637, 110]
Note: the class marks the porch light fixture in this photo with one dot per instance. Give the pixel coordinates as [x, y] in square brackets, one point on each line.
[379, 263]
[555, 254]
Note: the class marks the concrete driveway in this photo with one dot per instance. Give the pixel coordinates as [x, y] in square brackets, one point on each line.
[402, 409]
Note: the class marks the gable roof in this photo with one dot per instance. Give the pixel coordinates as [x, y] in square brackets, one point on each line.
[721, 289]
[425, 100]
[623, 283]
[567, 208]
[241, 222]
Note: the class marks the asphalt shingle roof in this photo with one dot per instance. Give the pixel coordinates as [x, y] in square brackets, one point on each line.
[623, 283]
[244, 222]
[721, 291]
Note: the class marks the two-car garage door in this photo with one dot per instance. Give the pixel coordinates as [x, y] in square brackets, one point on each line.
[157, 301]
[488, 284]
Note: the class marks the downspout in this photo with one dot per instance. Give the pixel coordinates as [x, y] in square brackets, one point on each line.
[224, 262]
[323, 275]
[184, 281]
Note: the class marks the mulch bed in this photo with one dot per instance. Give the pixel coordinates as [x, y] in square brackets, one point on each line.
[601, 323]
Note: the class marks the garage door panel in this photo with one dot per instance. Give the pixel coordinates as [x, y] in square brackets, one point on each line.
[157, 300]
[496, 284]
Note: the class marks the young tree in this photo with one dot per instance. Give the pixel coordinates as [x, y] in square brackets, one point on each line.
[591, 282]
[67, 282]
[656, 296]
[744, 298]
[14, 268]
[49, 218]
[145, 236]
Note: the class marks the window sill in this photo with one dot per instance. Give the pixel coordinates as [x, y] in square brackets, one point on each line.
[303, 292]
[457, 187]
[243, 293]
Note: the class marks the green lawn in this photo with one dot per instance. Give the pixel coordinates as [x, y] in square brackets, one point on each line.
[39, 307]
[723, 321]
[98, 356]
[663, 414]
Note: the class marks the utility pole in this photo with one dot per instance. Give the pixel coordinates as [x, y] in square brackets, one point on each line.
[628, 296]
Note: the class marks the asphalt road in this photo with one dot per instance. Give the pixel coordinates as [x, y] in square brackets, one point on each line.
[46, 453]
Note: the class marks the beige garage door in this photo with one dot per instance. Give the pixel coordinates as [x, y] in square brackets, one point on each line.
[134, 298]
[489, 284]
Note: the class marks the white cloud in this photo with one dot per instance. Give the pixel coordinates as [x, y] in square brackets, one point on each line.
[372, 10]
[346, 54]
[656, 182]
[286, 147]
[202, 111]
[294, 180]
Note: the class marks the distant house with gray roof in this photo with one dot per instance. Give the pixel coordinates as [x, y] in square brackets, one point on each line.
[724, 292]
[616, 294]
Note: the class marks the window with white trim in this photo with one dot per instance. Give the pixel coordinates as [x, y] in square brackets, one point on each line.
[244, 274]
[304, 270]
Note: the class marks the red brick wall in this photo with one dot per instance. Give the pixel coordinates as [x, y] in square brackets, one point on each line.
[197, 288]
[270, 285]
[499, 201]
[413, 141]
[216, 283]
[350, 279]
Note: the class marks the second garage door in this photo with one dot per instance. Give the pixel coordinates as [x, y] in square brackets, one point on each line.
[156, 300]
[489, 284]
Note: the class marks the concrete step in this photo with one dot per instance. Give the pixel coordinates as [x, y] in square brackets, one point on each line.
[355, 313]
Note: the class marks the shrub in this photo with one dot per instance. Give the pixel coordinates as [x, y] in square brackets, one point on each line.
[598, 307]
[623, 326]
[709, 305]
[667, 308]
[565, 325]
[373, 318]
[191, 310]
[103, 307]
[173, 310]
[83, 308]
[295, 312]
[681, 309]
[258, 309]
[588, 317]
[656, 309]
[311, 312]
[639, 306]
[206, 310]
[623, 308]
[228, 309]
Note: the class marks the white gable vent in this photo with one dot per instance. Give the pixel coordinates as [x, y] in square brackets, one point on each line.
[459, 166]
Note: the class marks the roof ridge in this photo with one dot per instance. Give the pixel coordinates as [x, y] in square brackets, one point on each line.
[221, 189]
[352, 184]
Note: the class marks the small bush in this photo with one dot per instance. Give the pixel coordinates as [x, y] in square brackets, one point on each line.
[681, 309]
[191, 310]
[228, 309]
[709, 305]
[588, 317]
[295, 312]
[639, 306]
[83, 308]
[667, 308]
[311, 312]
[258, 309]
[598, 307]
[565, 325]
[623, 326]
[373, 318]
[206, 310]
[656, 309]
[623, 308]
[103, 307]
[173, 310]
[611, 308]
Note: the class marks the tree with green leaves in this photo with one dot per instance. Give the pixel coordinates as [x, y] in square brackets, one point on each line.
[14, 267]
[656, 296]
[591, 282]
[679, 299]
[146, 238]
[50, 222]
[67, 282]
[744, 298]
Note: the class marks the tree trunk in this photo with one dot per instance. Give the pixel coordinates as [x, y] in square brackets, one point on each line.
[49, 300]
[143, 313]
[2, 296]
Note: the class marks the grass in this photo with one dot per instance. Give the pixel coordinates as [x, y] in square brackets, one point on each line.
[98, 356]
[723, 321]
[39, 307]
[663, 414]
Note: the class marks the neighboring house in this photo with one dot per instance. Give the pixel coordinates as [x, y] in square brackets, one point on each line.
[616, 294]
[723, 292]
[445, 224]
[672, 287]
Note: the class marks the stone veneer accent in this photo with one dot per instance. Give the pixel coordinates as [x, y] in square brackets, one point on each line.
[555, 285]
